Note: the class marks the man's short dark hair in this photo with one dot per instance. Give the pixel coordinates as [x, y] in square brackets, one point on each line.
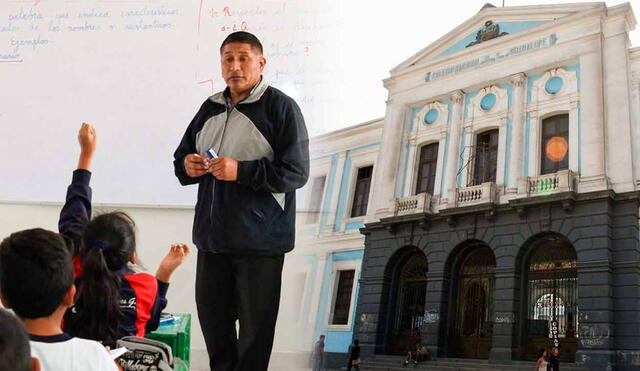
[243, 37]
[15, 353]
[35, 272]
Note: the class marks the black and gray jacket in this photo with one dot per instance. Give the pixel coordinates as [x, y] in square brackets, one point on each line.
[267, 135]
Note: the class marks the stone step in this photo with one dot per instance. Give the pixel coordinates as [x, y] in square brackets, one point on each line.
[394, 363]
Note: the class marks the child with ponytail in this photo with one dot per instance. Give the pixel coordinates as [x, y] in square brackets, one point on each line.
[115, 296]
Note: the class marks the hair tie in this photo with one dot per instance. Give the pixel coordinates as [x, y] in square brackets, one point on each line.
[102, 245]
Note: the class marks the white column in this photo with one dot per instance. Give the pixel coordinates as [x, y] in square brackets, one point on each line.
[635, 127]
[315, 299]
[335, 194]
[441, 147]
[535, 153]
[516, 148]
[468, 142]
[502, 148]
[573, 135]
[410, 172]
[592, 175]
[618, 148]
[386, 169]
[453, 152]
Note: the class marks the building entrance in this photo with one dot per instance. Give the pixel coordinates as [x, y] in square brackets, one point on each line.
[473, 327]
[552, 298]
[409, 316]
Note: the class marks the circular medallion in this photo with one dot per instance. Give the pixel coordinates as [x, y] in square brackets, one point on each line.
[431, 116]
[488, 101]
[554, 85]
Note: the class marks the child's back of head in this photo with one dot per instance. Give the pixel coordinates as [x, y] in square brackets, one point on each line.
[35, 272]
[112, 234]
[15, 354]
[109, 243]
[36, 281]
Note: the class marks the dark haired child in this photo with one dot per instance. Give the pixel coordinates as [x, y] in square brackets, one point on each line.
[115, 297]
[36, 281]
[15, 354]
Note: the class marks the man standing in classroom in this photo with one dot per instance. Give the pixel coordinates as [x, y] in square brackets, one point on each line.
[247, 149]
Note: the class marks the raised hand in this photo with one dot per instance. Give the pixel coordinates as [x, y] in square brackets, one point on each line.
[87, 138]
[174, 258]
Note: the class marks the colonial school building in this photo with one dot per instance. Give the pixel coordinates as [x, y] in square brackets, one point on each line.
[497, 201]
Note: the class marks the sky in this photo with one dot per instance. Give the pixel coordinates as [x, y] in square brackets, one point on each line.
[376, 36]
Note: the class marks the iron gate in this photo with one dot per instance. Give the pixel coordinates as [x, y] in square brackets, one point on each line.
[474, 304]
[552, 296]
[409, 316]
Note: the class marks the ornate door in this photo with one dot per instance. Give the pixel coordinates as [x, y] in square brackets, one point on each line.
[409, 314]
[474, 305]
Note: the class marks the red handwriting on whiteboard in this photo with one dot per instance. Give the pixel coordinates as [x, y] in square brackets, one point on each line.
[242, 26]
[208, 81]
[226, 11]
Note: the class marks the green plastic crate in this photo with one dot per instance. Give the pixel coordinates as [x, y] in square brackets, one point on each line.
[177, 335]
[179, 365]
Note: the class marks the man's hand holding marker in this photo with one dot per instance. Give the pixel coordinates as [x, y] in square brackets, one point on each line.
[222, 168]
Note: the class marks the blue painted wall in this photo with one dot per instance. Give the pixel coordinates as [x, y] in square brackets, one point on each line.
[353, 225]
[326, 206]
[344, 187]
[332, 177]
[336, 341]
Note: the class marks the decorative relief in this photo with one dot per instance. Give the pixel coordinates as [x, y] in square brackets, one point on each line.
[430, 118]
[554, 84]
[488, 102]
[518, 79]
[489, 31]
[457, 96]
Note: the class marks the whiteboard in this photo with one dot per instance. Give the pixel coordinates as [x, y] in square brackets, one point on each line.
[139, 71]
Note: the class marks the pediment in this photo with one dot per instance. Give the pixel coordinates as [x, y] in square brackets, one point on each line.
[491, 24]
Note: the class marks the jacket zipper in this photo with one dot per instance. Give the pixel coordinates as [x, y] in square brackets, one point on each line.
[213, 185]
[224, 130]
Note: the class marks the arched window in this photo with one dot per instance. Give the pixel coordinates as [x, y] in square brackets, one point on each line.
[427, 168]
[554, 153]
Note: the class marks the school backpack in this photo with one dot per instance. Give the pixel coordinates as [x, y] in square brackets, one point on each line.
[145, 355]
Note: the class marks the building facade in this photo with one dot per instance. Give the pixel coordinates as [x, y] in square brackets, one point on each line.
[504, 203]
[321, 275]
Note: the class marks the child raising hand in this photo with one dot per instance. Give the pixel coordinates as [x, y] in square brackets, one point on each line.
[116, 297]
